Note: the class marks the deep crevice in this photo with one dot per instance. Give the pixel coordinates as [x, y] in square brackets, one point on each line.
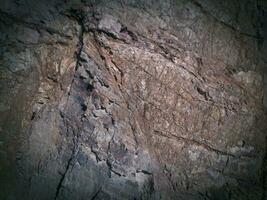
[59, 186]
[84, 108]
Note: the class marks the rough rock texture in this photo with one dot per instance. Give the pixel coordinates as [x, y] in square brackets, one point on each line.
[135, 99]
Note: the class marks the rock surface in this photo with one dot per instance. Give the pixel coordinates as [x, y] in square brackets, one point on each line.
[136, 99]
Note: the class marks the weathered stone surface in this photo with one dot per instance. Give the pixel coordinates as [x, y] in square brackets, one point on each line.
[133, 100]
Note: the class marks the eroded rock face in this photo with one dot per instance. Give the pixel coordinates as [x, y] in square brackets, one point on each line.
[132, 100]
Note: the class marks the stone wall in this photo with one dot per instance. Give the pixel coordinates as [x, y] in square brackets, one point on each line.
[133, 99]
